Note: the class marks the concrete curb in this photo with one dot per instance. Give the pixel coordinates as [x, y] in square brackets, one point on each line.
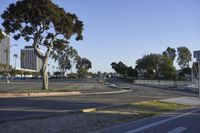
[10, 95]
[14, 95]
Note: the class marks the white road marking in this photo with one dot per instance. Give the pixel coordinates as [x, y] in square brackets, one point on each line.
[177, 130]
[161, 122]
[111, 92]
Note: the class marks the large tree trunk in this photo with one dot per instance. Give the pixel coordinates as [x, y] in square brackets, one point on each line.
[44, 58]
[43, 71]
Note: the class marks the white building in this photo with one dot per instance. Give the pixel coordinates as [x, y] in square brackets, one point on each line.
[5, 50]
[29, 60]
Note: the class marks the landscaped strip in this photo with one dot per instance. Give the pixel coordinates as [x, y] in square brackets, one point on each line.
[94, 119]
[134, 111]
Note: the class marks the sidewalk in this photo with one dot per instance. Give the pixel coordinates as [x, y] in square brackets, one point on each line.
[193, 101]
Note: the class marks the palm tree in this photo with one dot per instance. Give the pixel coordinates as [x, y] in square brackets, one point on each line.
[64, 64]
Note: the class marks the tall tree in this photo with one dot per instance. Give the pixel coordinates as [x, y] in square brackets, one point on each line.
[66, 58]
[166, 68]
[184, 57]
[44, 24]
[83, 65]
[170, 53]
[149, 64]
[156, 66]
[119, 67]
[64, 64]
[131, 72]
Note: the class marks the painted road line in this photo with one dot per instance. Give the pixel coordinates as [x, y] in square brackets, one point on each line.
[177, 130]
[161, 122]
[110, 92]
[89, 110]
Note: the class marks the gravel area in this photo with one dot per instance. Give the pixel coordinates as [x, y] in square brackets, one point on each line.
[75, 123]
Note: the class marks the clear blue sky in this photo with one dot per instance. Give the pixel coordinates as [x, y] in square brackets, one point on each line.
[125, 30]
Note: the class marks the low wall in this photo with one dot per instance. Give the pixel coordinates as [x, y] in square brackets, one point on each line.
[164, 83]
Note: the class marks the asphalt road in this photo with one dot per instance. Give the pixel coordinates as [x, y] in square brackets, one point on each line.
[185, 121]
[15, 108]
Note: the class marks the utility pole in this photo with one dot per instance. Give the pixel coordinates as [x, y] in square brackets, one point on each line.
[197, 56]
[199, 79]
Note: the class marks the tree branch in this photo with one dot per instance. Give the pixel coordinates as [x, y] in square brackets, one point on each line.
[36, 50]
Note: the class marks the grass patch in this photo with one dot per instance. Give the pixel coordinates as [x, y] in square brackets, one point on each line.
[161, 105]
[38, 90]
[141, 110]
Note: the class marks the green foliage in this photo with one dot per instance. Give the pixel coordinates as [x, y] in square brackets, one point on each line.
[185, 71]
[124, 70]
[82, 72]
[184, 57]
[72, 75]
[57, 73]
[161, 105]
[36, 74]
[148, 64]
[27, 73]
[167, 69]
[5, 67]
[119, 67]
[128, 79]
[131, 72]
[64, 63]
[156, 66]
[170, 53]
[83, 63]
[27, 18]
[43, 23]
[93, 75]
[65, 58]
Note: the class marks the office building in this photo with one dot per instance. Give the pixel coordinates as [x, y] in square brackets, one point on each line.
[29, 60]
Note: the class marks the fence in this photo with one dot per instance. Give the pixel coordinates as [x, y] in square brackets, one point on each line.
[164, 83]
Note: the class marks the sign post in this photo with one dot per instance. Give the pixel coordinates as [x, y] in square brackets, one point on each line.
[197, 56]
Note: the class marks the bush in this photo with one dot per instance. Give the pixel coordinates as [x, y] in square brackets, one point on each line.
[72, 75]
[128, 79]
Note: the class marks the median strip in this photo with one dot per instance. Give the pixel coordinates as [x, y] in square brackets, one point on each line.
[10, 95]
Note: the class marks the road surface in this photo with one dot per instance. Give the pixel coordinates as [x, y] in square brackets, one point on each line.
[12, 108]
[186, 121]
